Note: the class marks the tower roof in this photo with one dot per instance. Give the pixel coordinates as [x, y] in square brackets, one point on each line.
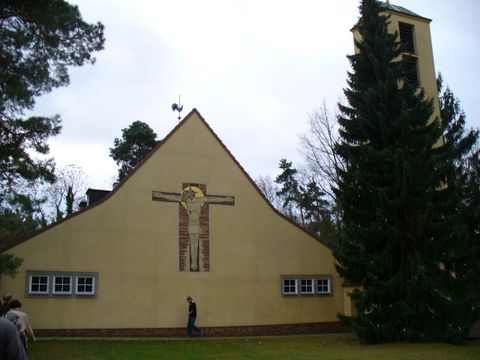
[402, 10]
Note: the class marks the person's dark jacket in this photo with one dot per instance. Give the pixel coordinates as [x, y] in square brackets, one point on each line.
[11, 347]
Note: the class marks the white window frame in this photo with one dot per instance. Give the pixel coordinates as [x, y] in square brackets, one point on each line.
[303, 286]
[306, 285]
[53, 278]
[85, 293]
[329, 286]
[38, 292]
[288, 286]
[62, 292]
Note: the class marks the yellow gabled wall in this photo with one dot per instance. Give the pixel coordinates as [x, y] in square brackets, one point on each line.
[132, 243]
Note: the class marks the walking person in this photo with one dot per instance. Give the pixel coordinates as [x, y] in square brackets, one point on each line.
[192, 317]
[21, 321]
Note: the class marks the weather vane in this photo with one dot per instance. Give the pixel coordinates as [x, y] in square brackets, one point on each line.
[177, 107]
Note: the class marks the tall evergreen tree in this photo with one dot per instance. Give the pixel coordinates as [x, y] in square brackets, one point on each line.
[465, 147]
[401, 241]
[291, 191]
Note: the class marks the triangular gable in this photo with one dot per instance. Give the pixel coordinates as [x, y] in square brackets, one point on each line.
[146, 159]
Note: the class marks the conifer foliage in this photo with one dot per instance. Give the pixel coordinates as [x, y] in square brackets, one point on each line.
[304, 203]
[402, 241]
[39, 41]
[136, 142]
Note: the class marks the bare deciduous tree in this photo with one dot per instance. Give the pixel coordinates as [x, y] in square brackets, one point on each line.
[318, 149]
[70, 186]
[269, 188]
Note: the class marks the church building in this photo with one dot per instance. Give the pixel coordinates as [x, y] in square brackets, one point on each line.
[189, 221]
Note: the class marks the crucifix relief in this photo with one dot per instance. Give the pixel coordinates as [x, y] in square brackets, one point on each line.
[193, 212]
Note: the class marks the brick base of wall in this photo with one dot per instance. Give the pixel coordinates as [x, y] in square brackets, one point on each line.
[284, 329]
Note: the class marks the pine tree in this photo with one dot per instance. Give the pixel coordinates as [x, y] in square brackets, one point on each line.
[464, 145]
[401, 242]
[304, 203]
[291, 191]
[137, 141]
[40, 40]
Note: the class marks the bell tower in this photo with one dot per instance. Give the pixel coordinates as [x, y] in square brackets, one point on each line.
[414, 32]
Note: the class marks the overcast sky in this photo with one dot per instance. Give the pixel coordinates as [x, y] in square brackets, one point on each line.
[255, 70]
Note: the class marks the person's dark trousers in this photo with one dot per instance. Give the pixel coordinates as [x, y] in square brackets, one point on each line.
[191, 326]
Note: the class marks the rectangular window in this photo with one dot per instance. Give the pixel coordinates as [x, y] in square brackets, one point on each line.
[38, 285]
[323, 286]
[306, 286]
[62, 285]
[406, 37]
[290, 287]
[85, 285]
[411, 72]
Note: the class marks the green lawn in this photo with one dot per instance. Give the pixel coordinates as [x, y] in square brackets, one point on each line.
[344, 347]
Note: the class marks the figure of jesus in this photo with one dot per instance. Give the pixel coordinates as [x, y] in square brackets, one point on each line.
[192, 199]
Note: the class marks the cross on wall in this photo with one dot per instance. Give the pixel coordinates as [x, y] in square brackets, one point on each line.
[194, 237]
